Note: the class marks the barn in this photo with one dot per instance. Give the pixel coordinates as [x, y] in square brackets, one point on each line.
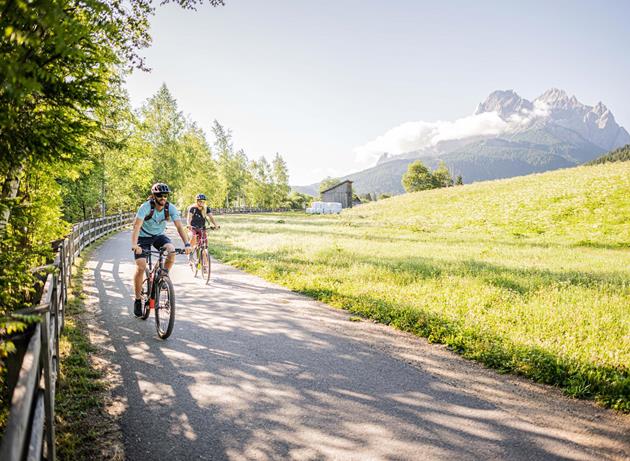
[341, 193]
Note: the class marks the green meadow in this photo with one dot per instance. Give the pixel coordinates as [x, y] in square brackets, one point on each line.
[528, 275]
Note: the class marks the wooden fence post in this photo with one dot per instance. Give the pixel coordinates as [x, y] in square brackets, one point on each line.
[49, 386]
[21, 401]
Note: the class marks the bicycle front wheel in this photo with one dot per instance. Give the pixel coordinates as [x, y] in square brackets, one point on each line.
[205, 265]
[192, 261]
[165, 307]
[197, 260]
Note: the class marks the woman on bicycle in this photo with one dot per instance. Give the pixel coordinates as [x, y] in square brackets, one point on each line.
[198, 214]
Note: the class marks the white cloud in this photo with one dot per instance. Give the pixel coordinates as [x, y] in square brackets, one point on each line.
[412, 136]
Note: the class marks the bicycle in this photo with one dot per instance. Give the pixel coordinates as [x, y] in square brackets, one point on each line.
[200, 257]
[158, 293]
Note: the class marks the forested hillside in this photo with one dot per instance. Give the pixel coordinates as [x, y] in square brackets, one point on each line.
[618, 155]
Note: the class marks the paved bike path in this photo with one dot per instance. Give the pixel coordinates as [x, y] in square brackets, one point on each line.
[254, 371]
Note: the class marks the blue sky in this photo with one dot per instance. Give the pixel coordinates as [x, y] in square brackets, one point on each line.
[315, 80]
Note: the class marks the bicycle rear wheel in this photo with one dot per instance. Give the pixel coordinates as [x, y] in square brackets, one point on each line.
[164, 307]
[146, 295]
[205, 264]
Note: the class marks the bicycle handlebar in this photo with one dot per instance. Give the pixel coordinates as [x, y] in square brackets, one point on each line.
[205, 228]
[179, 251]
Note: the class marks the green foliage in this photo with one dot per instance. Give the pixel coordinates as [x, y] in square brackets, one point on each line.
[442, 176]
[260, 185]
[418, 177]
[299, 201]
[529, 275]
[618, 155]
[280, 179]
[158, 144]
[459, 181]
[60, 68]
[327, 183]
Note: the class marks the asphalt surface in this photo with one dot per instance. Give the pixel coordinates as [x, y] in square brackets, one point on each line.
[253, 371]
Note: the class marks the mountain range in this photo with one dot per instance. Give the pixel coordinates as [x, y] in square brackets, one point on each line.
[552, 131]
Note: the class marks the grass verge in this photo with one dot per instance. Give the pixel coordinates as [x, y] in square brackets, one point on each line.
[528, 275]
[83, 427]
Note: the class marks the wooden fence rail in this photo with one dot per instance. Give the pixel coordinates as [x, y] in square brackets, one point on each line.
[242, 210]
[33, 369]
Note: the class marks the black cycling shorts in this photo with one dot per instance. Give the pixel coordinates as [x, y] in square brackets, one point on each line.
[158, 241]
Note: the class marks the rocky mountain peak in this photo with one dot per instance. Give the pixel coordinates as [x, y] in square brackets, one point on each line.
[553, 95]
[596, 124]
[555, 98]
[504, 102]
[600, 109]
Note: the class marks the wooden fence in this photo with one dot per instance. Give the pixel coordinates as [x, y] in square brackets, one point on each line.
[32, 370]
[248, 210]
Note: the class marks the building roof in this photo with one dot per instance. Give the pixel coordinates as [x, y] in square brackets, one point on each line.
[336, 185]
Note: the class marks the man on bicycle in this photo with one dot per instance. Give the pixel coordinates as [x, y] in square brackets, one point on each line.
[148, 229]
[198, 215]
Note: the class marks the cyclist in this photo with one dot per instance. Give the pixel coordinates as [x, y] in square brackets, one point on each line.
[198, 215]
[148, 229]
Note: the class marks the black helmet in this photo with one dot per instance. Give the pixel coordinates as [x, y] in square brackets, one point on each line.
[200, 197]
[160, 188]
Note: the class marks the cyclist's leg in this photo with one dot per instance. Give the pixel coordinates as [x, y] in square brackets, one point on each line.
[193, 242]
[193, 238]
[138, 277]
[198, 233]
[196, 238]
[203, 236]
[141, 264]
[164, 241]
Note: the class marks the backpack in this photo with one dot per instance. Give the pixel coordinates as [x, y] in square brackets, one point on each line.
[150, 215]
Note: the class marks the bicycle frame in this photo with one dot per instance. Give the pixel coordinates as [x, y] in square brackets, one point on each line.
[200, 235]
[155, 271]
[158, 281]
[202, 241]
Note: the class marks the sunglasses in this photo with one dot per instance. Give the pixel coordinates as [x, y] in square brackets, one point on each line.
[161, 195]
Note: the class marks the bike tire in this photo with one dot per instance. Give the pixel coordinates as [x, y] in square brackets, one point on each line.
[146, 295]
[197, 260]
[192, 263]
[205, 265]
[164, 307]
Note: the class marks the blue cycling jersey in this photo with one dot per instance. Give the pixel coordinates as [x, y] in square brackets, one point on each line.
[157, 224]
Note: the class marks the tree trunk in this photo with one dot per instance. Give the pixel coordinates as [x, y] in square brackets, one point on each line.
[9, 192]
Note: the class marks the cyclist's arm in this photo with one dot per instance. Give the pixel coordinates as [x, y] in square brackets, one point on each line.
[189, 219]
[181, 230]
[211, 218]
[137, 224]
